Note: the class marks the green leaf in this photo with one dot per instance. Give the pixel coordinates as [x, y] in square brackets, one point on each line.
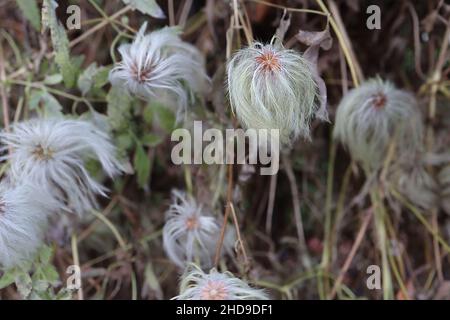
[59, 41]
[92, 77]
[86, 78]
[50, 274]
[30, 10]
[148, 115]
[51, 105]
[101, 77]
[166, 118]
[7, 278]
[119, 108]
[151, 140]
[149, 7]
[142, 165]
[45, 254]
[53, 79]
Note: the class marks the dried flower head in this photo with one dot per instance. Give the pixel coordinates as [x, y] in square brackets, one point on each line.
[198, 285]
[23, 218]
[414, 182]
[371, 116]
[190, 233]
[444, 183]
[160, 64]
[271, 87]
[50, 153]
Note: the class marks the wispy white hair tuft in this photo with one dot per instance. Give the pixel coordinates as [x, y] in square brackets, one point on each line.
[190, 233]
[51, 154]
[271, 87]
[24, 210]
[160, 64]
[414, 182]
[198, 285]
[372, 115]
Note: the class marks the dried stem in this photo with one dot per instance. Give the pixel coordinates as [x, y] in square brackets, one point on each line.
[351, 255]
[297, 210]
[271, 203]
[226, 215]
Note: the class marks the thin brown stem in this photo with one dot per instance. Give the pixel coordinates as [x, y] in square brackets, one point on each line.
[226, 215]
[5, 105]
[351, 255]
[271, 203]
[297, 209]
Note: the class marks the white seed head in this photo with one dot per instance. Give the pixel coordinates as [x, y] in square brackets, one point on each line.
[198, 285]
[160, 65]
[23, 218]
[414, 182]
[371, 116]
[51, 154]
[190, 233]
[444, 183]
[271, 87]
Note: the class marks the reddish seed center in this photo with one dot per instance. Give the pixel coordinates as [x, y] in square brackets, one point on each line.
[191, 223]
[379, 100]
[268, 61]
[140, 75]
[214, 290]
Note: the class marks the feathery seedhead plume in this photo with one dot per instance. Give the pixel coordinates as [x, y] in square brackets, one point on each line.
[444, 183]
[159, 65]
[415, 183]
[50, 153]
[190, 233]
[24, 210]
[271, 87]
[198, 285]
[372, 115]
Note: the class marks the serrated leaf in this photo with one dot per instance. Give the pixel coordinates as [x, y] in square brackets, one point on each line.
[148, 115]
[50, 274]
[149, 7]
[51, 105]
[59, 41]
[30, 10]
[7, 278]
[166, 118]
[53, 79]
[119, 105]
[92, 77]
[141, 165]
[151, 140]
[86, 78]
[45, 254]
[101, 77]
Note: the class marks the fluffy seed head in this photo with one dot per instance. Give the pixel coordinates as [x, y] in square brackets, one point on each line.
[50, 153]
[160, 66]
[271, 87]
[371, 116]
[190, 233]
[23, 218]
[414, 182]
[198, 285]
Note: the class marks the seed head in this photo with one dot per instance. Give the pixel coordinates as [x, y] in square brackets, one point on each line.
[197, 285]
[371, 116]
[271, 87]
[160, 66]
